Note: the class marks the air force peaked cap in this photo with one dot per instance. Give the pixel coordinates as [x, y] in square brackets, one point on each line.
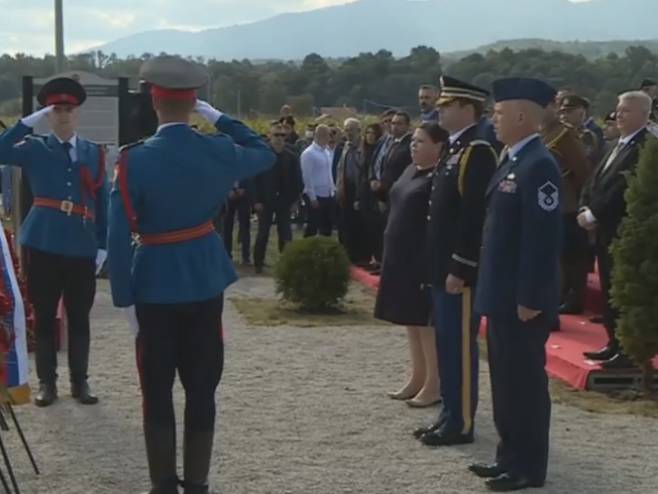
[520, 88]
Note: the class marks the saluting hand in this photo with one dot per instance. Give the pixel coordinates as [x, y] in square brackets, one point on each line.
[454, 285]
[207, 111]
[37, 116]
[526, 314]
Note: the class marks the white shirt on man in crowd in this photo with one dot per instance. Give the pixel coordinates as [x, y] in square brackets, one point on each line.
[316, 172]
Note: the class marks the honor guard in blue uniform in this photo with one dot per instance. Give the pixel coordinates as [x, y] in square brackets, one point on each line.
[518, 286]
[64, 233]
[168, 266]
[456, 214]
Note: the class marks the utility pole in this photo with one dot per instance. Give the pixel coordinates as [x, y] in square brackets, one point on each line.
[59, 36]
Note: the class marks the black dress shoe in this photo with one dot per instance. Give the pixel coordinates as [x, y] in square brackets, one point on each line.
[441, 438]
[571, 308]
[47, 395]
[508, 482]
[619, 361]
[421, 431]
[487, 471]
[606, 353]
[83, 394]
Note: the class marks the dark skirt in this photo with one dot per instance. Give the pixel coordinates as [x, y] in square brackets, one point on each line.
[402, 297]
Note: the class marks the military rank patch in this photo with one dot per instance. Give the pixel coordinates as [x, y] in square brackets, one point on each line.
[548, 196]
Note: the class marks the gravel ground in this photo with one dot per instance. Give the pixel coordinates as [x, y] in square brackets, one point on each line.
[305, 411]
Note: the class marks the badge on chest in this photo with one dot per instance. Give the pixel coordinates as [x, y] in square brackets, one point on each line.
[509, 185]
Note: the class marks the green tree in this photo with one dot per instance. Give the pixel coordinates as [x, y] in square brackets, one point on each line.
[635, 272]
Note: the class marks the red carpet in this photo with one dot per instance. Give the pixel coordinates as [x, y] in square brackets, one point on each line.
[565, 348]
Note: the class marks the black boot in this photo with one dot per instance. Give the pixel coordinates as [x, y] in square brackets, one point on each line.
[196, 458]
[47, 395]
[82, 393]
[161, 455]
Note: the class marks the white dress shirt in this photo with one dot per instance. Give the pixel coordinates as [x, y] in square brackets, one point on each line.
[518, 147]
[454, 137]
[316, 172]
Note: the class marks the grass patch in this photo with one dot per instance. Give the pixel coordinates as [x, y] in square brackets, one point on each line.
[355, 311]
[628, 402]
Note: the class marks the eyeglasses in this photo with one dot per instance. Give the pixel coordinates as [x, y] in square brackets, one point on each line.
[279, 135]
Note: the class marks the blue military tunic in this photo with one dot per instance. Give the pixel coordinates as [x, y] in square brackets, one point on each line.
[179, 179]
[518, 262]
[53, 175]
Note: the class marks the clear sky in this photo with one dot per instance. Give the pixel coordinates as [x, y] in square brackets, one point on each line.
[27, 25]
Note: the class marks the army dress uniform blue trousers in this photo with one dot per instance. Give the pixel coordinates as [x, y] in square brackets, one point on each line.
[187, 338]
[521, 400]
[457, 351]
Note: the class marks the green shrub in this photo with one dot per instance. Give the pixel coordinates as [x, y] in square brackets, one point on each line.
[313, 273]
[635, 267]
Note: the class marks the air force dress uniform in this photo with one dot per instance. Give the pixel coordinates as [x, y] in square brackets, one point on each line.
[64, 232]
[167, 190]
[457, 209]
[519, 266]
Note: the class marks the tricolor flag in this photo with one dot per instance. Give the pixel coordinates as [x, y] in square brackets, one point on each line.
[13, 333]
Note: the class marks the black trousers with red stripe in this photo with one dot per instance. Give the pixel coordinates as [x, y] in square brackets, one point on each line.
[186, 338]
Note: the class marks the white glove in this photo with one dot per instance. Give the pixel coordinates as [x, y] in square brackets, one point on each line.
[101, 257]
[35, 118]
[207, 111]
[131, 316]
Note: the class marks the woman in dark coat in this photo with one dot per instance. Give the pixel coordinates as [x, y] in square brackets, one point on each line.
[402, 297]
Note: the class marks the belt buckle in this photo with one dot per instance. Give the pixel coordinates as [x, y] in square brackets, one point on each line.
[66, 207]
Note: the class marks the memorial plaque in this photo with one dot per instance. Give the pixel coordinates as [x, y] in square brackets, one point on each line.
[99, 115]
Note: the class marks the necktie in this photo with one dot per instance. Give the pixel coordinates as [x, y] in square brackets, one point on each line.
[615, 152]
[67, 149]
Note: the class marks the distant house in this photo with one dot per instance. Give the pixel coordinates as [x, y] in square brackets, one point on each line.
[336, 113]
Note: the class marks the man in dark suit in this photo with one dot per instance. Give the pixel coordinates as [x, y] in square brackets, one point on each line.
[275, 192]
[518, 286]
[603, 206]
[398, 157]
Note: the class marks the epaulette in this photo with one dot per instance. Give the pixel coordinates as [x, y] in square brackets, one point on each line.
[131, 145]
[480, 142]
[559, 136]
[36, 137]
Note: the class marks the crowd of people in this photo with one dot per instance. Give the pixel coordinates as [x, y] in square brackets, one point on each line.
[409, 203]
[495, 211]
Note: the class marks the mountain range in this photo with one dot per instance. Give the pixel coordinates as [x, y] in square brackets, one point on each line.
[399, 25]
